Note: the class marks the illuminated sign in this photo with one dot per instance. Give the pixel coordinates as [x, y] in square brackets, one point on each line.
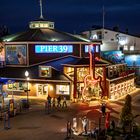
[63, 89]
[93, 48]
[53, 48]
[16, 54]
[45, 71]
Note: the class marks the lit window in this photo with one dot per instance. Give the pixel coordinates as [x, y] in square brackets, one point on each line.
[125, 47]
[131, 48]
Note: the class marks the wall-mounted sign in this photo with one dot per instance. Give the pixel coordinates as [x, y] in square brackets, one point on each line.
[62, 89]
[45, 71]
[114, 56]
[16, 54]
[53, 48]
[93, 48]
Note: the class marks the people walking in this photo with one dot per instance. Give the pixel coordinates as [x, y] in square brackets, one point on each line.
[49, 103]
[59, 101]
[64, 102]
[69, 129]
[7, 120]
[53, 102]
[113, 125]
[103, 109]
[85, 123]
[74, 125]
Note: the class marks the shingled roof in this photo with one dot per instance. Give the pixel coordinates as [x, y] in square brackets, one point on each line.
[43, 35]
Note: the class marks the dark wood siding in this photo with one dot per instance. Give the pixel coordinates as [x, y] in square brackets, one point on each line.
[40, 57]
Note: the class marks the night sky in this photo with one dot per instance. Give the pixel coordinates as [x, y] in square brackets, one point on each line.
[72, 15]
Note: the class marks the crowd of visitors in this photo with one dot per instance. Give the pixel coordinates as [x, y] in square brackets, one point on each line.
[55, 102]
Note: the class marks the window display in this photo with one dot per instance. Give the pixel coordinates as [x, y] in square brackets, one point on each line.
[45, 71]
[63, 89]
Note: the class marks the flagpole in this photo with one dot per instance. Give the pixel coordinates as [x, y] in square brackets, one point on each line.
[103, 18]
[41, 9]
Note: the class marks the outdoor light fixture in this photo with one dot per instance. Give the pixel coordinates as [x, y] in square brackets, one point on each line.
[26, 73]
[27, 79]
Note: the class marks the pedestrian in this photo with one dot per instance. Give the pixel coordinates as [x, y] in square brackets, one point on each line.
[112, 124]
[85, 122]
[49, 103]
[74, 125]
[103, 109]
[7, 120]
[64, 102]
[68, 129]
[53, 102]
[59, 101]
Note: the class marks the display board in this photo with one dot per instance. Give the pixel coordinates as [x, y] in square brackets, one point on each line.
[114, 56]
[63, 89]
[16, 55]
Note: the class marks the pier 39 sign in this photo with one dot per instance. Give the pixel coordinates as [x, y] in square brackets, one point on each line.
[53, 48]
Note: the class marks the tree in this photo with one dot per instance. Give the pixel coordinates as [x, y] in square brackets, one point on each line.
[4, 30]
[126, 116]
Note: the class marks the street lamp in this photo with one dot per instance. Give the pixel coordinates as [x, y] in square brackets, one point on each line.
[27, 78]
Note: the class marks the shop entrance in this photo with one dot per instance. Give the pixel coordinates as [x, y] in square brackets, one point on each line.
[42, 90]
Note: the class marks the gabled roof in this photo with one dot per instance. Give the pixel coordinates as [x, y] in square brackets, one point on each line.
[43, 35]
[57, 69]
[19, 74]
[72, 61]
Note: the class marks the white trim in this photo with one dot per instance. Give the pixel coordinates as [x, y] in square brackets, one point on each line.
[98, 65]
[121, 77]
[55, 42]
[40, 80]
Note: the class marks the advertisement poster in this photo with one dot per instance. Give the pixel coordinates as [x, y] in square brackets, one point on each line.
[2, 54]
[16, 54]
[114, 56]
[45, 71]
[62, 89]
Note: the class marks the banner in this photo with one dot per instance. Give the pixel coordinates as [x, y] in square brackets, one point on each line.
[16, 54]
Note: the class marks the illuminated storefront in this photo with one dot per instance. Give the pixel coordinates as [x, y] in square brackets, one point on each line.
[58, 64]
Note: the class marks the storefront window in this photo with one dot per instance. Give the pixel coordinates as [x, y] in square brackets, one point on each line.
[42, 89]
[17, 86]
[69, 71]
[63, 89]
[81, 73]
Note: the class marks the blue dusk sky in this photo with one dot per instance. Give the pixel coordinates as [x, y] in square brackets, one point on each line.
[72, 15]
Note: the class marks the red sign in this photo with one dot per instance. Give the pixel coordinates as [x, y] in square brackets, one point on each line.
[126, 73]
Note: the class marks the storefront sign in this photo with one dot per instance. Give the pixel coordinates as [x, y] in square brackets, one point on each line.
[45, 71]
[95, 48]
[53, 48]
[62, 89]
[114, 56]
[126, 73]
[15, 54]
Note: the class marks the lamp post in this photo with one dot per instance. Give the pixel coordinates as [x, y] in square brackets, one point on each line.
[27, 78]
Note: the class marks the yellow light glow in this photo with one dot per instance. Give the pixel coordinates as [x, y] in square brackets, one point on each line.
[51, 87]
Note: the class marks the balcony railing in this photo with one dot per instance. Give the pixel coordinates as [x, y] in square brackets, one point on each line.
[131, 52]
